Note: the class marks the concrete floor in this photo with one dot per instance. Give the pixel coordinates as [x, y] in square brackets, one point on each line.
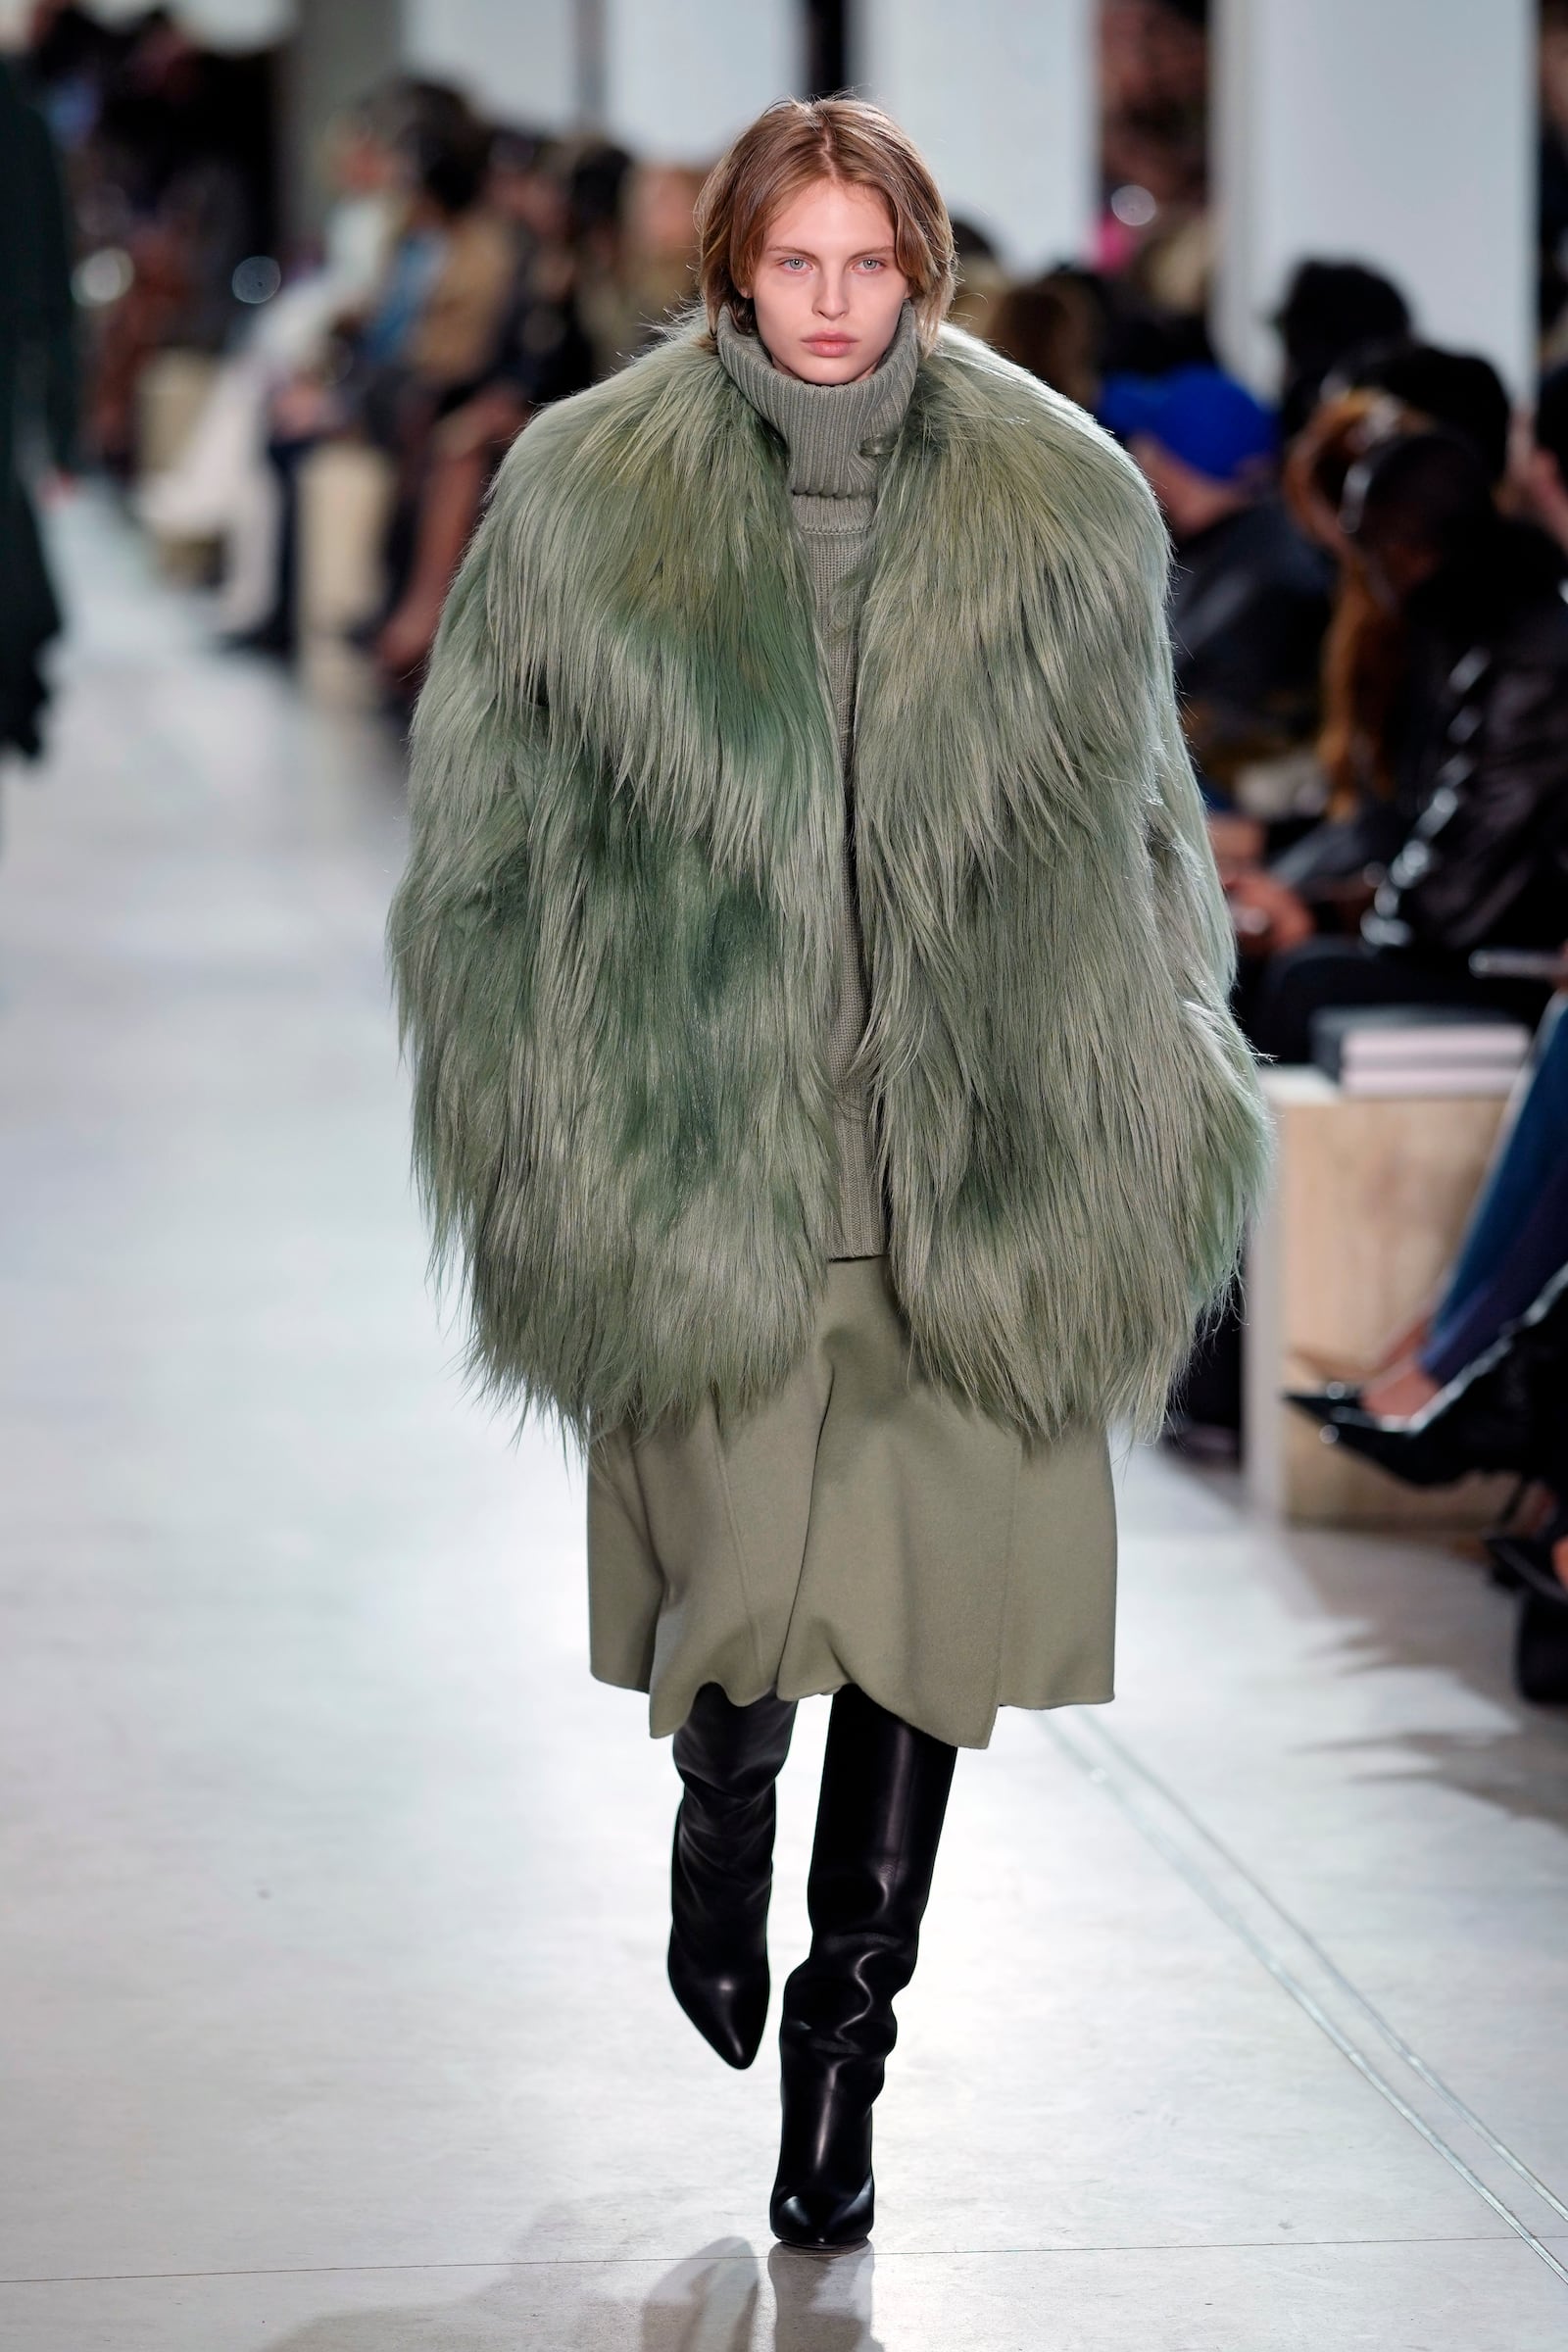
[330, 1958]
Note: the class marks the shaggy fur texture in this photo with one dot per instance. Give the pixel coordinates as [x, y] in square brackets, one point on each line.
[614, 943]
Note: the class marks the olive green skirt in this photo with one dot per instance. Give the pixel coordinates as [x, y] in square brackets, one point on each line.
[861, 1526]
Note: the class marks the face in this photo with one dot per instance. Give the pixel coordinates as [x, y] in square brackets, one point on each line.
[828, 289]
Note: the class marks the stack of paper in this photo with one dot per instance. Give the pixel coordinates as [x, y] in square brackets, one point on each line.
[1418, 1050]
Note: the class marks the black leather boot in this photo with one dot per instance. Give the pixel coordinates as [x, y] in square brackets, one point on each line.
[721, 1873]
[884, 1793]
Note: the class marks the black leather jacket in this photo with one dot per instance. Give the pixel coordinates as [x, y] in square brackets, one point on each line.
[1484, 860]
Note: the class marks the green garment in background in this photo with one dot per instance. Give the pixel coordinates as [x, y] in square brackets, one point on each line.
[37, 380]
[861, 1526]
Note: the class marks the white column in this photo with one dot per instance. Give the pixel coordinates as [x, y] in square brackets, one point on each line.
[1396, 133]
[1000, 98]
[517, 59]
[682, 76]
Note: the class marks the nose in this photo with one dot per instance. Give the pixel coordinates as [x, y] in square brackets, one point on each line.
[831, 300]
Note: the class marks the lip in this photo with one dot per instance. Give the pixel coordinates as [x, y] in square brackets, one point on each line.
[828, 344]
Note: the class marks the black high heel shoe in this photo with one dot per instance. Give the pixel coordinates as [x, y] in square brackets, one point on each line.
[721, 1870]
[1504, 1412]
[1323, 1403]
[884, 1795]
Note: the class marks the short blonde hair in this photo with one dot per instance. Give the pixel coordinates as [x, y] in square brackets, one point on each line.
[793, 143]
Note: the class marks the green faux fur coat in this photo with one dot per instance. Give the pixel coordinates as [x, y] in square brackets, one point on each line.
[613, 944]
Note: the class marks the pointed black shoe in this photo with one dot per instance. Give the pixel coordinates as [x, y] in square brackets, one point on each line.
[1500, 1412]
[1420, 1452]
[878, 1825]
[721, 1870]
[1321, 1404]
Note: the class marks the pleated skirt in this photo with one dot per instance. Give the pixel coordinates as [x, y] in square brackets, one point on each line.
[861, 1526]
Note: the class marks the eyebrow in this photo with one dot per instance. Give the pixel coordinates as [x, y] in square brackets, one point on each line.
[771, 244]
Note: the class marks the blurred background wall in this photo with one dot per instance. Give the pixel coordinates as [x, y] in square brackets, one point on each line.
[1402, 132]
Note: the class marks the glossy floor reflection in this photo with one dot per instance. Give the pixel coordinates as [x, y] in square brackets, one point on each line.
[330, 1957]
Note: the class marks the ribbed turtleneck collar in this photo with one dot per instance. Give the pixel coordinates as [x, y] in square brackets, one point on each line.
[835, 434]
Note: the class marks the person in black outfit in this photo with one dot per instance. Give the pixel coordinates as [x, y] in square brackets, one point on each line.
[1249, 594]
[37, 379]
[1483, 773]
[1331, 311]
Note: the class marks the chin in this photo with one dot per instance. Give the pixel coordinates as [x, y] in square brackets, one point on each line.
[817, 368]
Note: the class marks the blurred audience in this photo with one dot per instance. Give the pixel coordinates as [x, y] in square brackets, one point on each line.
[541, 353]
[1481, 782]
[222, 487]
[172, 157]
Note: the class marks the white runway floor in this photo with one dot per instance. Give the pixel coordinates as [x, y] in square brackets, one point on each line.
[331, 1932]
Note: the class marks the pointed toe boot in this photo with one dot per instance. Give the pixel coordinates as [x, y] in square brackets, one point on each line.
[884, 1795]
[721, 1872]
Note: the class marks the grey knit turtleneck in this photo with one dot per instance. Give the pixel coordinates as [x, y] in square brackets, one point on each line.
[837, 436]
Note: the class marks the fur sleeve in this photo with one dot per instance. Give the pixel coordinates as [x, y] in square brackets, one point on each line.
[1197, 943]
[459, 933]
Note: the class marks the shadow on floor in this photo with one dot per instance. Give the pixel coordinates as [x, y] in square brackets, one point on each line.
[1430, 1607]
[719, 2299]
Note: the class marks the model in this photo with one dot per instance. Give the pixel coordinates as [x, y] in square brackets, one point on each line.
[815, 978]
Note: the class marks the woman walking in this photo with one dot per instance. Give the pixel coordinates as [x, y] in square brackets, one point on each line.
[815, 979]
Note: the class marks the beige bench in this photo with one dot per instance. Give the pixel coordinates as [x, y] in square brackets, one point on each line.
[1369, 1201]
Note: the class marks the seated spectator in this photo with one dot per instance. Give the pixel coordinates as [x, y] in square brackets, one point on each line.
[543, 355]
[1331, 311]
[1366, 652]
[453, 336]
[1250, 597]
[1456, 389]
[1051, 326]
[1484, 861]
[1362, 683]
[425, 345]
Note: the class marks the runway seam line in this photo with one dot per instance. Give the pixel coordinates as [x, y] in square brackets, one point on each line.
[610, 2262]
[1105, 1777]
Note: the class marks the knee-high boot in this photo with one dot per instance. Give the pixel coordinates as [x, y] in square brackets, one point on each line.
[721, 1872]
[884, 1795]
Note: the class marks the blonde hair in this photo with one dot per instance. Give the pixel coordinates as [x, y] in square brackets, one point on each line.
[793, 143]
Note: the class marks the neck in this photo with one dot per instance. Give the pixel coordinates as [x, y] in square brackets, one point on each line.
[835, 433]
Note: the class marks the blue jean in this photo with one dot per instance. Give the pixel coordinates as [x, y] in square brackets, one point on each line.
[1517, 1236]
